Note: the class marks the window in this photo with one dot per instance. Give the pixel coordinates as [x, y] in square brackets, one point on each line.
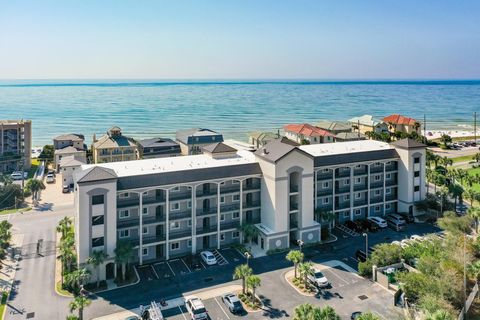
[124, 195]
[346, 214]
[145, 230]
[236, 198]
[416, 188]
[174, 245]
[175, 206]
[222, 236]
[145, 211]
[388, 176]
[222, 217]
[388, 206]
[416, 174]
[326, 200]
[189, 222]
[124, 233]
[97, 242]
[235, 182]
[358, 180]
[189, 243]
[346, 182]
[145, 252]
[377, 177]
[222, 199]
[189, 204]
[175, 189]
[325, 184]
[97, 220]
[124, 214]
[98, 199]
[358, 195]
[174, 225]
[378, 192]
[358, 212]
[377, 208]
[416, 160]
[235, 234]
[236, 215]
[388, 191]
[346, 197]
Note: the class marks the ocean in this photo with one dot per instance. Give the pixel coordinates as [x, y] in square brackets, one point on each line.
[158, 108]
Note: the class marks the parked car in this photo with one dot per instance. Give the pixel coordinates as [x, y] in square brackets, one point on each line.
[318, 279]
[352, 226]
[369, 225]
[396, 218]
[50, 178]
[208, 258]
[381, 223]
[52, 172]
[407, 217]
[395, 223]
[17, 175]
[416, 237]
[355, 315]
[195, 308]
[65, 188]
[233, 303]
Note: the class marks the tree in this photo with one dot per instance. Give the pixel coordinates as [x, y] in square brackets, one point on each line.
[386, 254]
[5, 179]
[253, 282]
[295, 256]
[456, 225]
[249, 232]
[34, 186]
[446, 162]
[476, 157]
[474, 270]
[72, 317]
[474, 212]
[471, 194]
[324, 216]
[303, 311]
[96, 259]
[79, 303]
[64, 226]
[10, 194]
[67, 255]
[123, 255]
[328, 313]
[48, 153]
[446, 140]
[307, 311]
[456, 191]
[77, 278]
[242, 272]
[305, 269]
[368, 316]
[442, 194]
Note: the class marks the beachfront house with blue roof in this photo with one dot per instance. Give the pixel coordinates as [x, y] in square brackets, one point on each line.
[192, 140]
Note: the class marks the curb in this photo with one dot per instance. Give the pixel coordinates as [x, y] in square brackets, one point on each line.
[294, 287]
[121, 287]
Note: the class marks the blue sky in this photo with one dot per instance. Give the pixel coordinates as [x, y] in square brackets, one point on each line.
[243, 39]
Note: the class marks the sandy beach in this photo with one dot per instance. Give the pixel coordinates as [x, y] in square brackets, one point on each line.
[435, 134]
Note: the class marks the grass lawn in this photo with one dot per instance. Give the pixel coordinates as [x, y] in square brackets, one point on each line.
[463, 158]
[3, 303]
[14, 210]
[473, 172]
[62, 291]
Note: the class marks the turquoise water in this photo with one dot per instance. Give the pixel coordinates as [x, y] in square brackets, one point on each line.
[144, 109]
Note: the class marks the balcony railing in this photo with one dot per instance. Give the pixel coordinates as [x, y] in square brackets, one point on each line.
[358, 203]
[293, 206]
[324, 176]
[173, 196]
[229, 207]
[177, 215]
[342, 174]
[342, 189]
[130, 222]
[376, 169]
[230, 225]
[362, 186]
[324, 192]
[376, 200]
[179, 234]
[249, 205]
[233, 188]
[209, 229]
[253, 186]
[154, 219]
[342, 205]
[206, 193]
[391, 182]
[155, 238]
[376, 184]
[391, 197]
[207, 211]
[359, 172]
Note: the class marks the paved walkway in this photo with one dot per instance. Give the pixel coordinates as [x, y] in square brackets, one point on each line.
[9, 265]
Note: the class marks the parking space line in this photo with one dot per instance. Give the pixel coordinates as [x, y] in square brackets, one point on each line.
[189, 271]
[337, 276]
[170, 268]
[181, 312]
[155, 271]
[201, 263]
[215, 298]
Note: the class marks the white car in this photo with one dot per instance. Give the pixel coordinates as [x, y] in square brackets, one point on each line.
[195, 308]
[378, 221]
[416, 237]
[398, 243]
[208, 258]
[405, 243]
[50, 178]
[233, 303]
[17, 175]
[318, 279]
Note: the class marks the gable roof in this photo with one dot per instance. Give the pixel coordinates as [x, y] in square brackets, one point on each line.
[114, 141]
[349, 136]
[399, 119]
[307, 130]
[157, 142]
[219, 147]
[70, 161]
[366, 120]
[408, 144]
[184, 135]
[95, 173]
[67, 150]
[333, 126]
[70, 136]
[276, 149]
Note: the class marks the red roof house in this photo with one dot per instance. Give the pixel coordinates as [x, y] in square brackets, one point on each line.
[402, 123]
[306, 132]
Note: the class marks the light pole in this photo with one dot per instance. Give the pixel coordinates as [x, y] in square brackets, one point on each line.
[247, 255]
[300, 244]
[366, 244]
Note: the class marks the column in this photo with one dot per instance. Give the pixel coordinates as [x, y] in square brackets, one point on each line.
[140, 230]
[167, 223]
[315, 188]
[351, 192]
[218, 215]
[384, 187]
[368, 190]
[333, 195]
[241, 209]
[194, 219]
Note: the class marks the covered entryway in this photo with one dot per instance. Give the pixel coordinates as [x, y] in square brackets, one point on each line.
[110, 270]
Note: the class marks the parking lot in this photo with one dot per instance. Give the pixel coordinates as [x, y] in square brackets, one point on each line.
[215, 307]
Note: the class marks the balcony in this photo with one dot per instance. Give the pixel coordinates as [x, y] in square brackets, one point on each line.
[249, 205]
[206, 211]
[392, 166]
[230, 225]
[376, 184]
[359, 172]
[252, 186]
[135, 202]
[359, 203]
[391, 197]
[207, 193]
[179, 234]
[324, 192]
[152, 239]
[229, 207]
[154, 219]
[324, 176]
[376, 200]
[177, 215]
[173, 196]
[344, 189]
[376, 169]
[209, 229]
[342, 174]
[391, 182]
[230, 189]
[362, 186]
[130, 222]
[342, 205]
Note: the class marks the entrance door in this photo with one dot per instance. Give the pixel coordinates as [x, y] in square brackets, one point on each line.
[159, 251]
[110, 270]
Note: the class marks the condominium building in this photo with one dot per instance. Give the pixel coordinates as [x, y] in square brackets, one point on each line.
[114, 147]
[171, 207]
[15, 145]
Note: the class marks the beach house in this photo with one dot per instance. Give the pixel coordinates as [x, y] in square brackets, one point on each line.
[399, 123]
[69, 140]
[113, 147]
[158, 148]
[367, 123]
[192, 140]
[307, 134]
[173, 207]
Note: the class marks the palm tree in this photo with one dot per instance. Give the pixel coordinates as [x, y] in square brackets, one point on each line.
[79, 303]
[462, 174]
[305, 269]
[253, 282]
[64, 226]
[445, 139]
[324, 216]
[442, 194]
[72, 317]
[295, 256]
[242, 272]
[328, 313]
[368, 316]
[474, 212]
[5, 179]
[303, 312]
[123, 255]
[249, 232]
[34, 186]
[96, 259]
[471, 194]
[446, 162]
[77, 278]
[456, 191]
[67, 255]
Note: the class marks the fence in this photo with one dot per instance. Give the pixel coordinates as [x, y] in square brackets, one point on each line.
[469, 302]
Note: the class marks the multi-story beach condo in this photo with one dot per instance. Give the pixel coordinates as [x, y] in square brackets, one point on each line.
[114, 147]
[171, 207]
[15, 145]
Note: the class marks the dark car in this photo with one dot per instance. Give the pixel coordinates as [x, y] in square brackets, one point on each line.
[369, 225]
[352, 226]
[407, 216]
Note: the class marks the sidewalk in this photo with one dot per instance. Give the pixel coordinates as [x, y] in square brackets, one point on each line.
[9, 265]
[176, 302]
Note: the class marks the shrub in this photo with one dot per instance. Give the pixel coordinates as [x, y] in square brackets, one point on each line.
[365, 268]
